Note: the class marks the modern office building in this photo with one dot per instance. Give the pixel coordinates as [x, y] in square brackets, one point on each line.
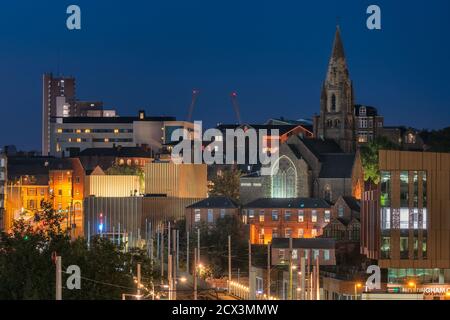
[57, 94]
[405, 219]
[74, 134]
[176, 180]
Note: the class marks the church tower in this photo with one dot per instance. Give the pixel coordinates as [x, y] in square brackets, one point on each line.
[336, 119]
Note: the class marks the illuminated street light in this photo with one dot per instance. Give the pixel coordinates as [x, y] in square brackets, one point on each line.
[357, 286]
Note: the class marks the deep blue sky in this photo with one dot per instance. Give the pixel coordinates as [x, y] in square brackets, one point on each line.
[150, 54]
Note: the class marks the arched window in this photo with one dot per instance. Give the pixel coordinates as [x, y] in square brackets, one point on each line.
[333, 103]
[284, 181]
[337, 123]
[327, 193]
[329, 123]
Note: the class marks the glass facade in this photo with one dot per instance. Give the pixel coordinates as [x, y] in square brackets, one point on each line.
[409, 214]
[385, 198]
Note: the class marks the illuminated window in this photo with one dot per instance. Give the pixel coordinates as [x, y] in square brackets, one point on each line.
[78, 139]
[314, 216]
[314, 233]
[274, 215]
[70, 139]
[261, 216]
[106, 140]
[327, 216]
[326, 255]
[210, 216]
[301, 216]
[287, 215]
[251, 213]
[301, 233]
[78, 131]
[60, 130]
[197, 215]
[222, 213]
[284, 182]
[87, 131]
[287, 232]
[116, 131]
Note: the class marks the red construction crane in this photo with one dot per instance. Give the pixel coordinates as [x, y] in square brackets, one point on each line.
[195, 94]
[236, 106]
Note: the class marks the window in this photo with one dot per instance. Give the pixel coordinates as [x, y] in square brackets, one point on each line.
[281, 255]
[404, 251]
[301, 233]
[314, 216]
[340, 211]
[424, 247]
[287, 232]
[287, 215]
[385, 247]
[274, 215]
[59, 192]
[315, 254]
[31, 192]
[251, 213]
[362, 111]
[77, 179]
[222, 213]
[404, 218]
[415, 189]
[333, 102]
[275, 233]
[404, 194]
[424, 189]
[314, 233]
[284, 182]
[385, 218]
[385, 198]
[326, 254]
[261, 217]
[301, 216]
[327, 216]
[210, 216]
[197, 216]
[327, 193]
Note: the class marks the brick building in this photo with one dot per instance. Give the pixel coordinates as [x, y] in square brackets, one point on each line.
[284, 218]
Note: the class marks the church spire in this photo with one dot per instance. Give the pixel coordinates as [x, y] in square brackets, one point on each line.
[338, 47]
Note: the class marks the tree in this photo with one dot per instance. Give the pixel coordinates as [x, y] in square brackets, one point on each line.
[27, 270]
[214, 245]
[369, 157]
[227, 184]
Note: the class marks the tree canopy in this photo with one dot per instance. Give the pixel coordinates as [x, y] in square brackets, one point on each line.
[369, 157]
[28, 272]
[227, 184]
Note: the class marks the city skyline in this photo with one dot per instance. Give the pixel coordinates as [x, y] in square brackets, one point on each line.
[276, 66]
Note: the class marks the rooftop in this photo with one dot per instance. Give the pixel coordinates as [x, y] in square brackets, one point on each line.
[215, 202]
[299, 243]
[284, 203]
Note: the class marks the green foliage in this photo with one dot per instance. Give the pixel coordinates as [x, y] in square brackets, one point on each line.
[227, 184]
[437, 140]
[214, 245]
[28, 272]
[127, 170]
[369, 157]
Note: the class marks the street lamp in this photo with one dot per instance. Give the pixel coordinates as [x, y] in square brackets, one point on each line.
[412, 284]
[357, 286]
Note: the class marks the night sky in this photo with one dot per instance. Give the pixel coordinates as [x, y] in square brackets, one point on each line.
[151, 54]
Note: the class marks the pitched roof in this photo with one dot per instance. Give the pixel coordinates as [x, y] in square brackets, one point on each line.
[337, 165]
[299, 243]
[352, 203]
[295, 203]
[215, 202]
[320, 146]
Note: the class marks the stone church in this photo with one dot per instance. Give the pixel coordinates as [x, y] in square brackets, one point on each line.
[323, 166]
[336, 120]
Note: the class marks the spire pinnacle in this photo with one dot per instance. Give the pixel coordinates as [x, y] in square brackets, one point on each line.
[338, 47]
